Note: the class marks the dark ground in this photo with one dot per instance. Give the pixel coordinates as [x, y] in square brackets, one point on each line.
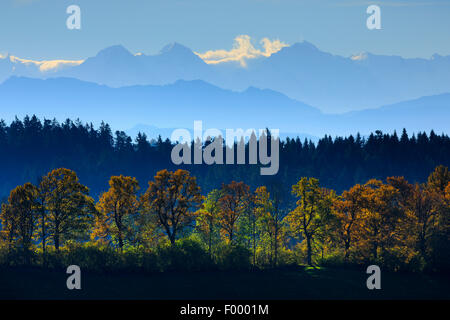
[287, 284]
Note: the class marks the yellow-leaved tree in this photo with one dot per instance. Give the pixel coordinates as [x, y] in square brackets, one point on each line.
[117, 212]
[19, 217]
[308, 219]
[207, 222]
[68, 209]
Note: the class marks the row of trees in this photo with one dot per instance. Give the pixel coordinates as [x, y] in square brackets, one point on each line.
[394, 223]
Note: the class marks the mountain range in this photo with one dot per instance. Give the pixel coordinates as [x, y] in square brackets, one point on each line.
[302, 72]
[179, 104]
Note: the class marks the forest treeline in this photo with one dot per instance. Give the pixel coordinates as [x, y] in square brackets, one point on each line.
[171, 225]
[31, 147]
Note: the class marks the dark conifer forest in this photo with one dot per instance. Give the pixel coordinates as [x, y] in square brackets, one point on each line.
[31, 147]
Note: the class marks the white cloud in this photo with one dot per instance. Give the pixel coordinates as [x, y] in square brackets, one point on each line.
[47, 65]
[242, 50]
[359, 57]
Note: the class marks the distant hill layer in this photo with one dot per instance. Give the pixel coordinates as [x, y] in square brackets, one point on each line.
[179, 104]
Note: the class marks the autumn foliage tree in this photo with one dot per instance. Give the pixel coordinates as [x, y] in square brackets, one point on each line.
[233, 203]
[439, 179]
[207, 222]
[173, 197]
[117, 210]
[438, 240]
[269, 207]
[9, 226]
[263, 208]
[349, 209]
[69, 209]
[19, 216]
[307, 219]
[381, 217]
[393, 223]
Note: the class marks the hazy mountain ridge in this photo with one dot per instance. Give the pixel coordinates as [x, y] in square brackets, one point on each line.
[179, 104]
[301, 71]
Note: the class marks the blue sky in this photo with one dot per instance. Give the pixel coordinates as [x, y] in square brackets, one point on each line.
[36, 29]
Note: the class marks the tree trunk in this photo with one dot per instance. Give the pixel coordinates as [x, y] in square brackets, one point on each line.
[56, 241]
[172, 239]
[210, 244]
[254, 251]
[275, 261]
[309, 249]
[44, 249]
[254, 244]
[10, 241]
[422, 242]
[120, 243]
[347, 247]
[375, 250]
[56, 235]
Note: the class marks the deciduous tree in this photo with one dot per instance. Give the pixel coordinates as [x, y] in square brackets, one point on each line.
[117, 210]
[173, 197]
[349, 209]
[69, 208]
[307, 218]
[207, 221]
[233, 203]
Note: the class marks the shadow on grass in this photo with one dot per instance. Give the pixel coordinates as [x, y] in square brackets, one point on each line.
[287, 283]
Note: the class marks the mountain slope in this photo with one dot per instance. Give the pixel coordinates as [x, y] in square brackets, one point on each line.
[426, 113]
[337, 84]
[175, 105]
[179, 104]
[116, 67]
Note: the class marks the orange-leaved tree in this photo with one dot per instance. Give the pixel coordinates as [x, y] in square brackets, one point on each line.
[349, 209]
[117, 210]
[233, 203]
[173, 197]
